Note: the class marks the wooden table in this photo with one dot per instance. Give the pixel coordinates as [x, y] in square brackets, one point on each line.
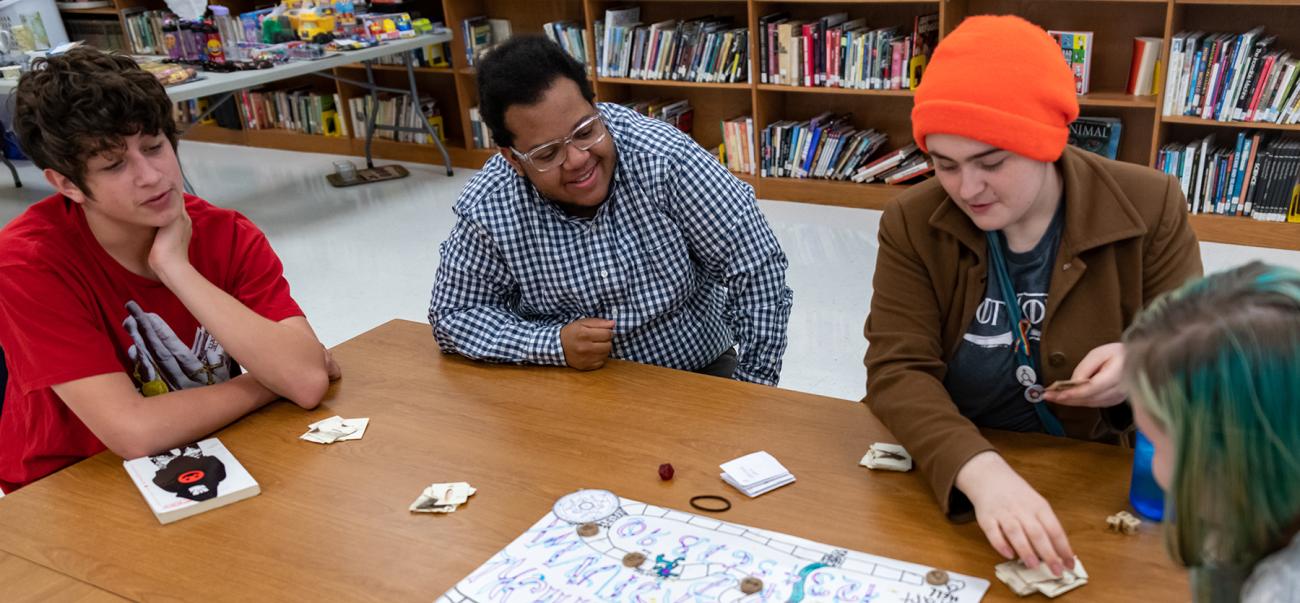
[21, 580]
[332, 521]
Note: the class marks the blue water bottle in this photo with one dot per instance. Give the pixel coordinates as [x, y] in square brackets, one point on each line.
[1145, 494]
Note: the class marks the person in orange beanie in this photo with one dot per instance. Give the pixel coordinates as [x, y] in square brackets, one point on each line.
[1003, 285]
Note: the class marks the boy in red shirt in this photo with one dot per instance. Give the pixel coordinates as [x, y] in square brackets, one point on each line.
[124, 303]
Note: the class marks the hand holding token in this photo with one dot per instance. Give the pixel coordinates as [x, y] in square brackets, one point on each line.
[1099, 374]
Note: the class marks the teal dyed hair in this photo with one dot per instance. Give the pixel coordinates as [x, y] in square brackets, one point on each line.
[1216, 364]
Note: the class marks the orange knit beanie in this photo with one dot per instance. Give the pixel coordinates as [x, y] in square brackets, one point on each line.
[1000, 80]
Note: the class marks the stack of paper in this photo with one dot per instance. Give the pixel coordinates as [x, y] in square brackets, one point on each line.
[335, 429]
[756, 474]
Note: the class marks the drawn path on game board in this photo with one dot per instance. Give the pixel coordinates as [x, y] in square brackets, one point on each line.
[687, 557]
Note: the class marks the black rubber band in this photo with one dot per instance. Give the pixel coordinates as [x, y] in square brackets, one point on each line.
[695, 502]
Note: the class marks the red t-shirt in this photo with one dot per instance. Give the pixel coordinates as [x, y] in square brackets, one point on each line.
[68, 311]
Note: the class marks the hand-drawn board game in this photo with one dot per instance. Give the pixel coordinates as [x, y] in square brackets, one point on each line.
[596, 546]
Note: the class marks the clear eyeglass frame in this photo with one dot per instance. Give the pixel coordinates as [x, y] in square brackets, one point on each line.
[534, 155]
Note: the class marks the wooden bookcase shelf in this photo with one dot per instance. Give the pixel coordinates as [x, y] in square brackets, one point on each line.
[824, 90]
[674, 83]
[1117, 99]
[1196, 121]
[1116, 23]
[102, 10]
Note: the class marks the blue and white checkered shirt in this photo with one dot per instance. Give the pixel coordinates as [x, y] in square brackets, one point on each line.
[678, 256]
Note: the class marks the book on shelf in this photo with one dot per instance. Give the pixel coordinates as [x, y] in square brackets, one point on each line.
[480, 135]
[910, 169]
[185, 112]
[827, 146]
[1076, 47]
[838, 52]
[1255, 174]
[885, 164]
[737, 148]
[925, 36]
[706, 49]
[299, 110]
[1144, 70]
[501, 30]
[1097, 134]
[1232, 77]
[617, 22]
[190, 479]
[433, 55]
[570, 36]
[679, 113]
[397, 110]
[226, 115]
[481, 34]
[143, 29]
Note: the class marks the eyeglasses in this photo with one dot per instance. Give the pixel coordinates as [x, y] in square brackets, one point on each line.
[589, 133]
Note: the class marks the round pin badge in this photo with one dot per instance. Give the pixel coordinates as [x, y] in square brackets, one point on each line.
[1025, 375]
[1034, 393]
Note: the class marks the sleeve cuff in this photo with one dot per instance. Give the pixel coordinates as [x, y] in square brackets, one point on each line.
[547, 348]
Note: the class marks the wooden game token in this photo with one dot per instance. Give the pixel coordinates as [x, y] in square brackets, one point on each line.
[587, 530]
[751, 585]
[936, 577]
[633, 560]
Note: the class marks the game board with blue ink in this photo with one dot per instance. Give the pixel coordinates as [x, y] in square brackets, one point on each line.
[596, 546]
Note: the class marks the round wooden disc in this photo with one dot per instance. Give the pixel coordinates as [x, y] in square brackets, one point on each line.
[937, 577]
[633, 559]
[587, 530]
[751, 585]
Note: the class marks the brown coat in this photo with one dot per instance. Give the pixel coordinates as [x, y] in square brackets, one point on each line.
[1125, 241]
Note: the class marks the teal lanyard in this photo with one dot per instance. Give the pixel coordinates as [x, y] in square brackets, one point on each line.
[1026, 369]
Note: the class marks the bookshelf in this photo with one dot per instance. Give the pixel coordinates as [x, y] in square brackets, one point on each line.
[102, 10]
[1116, 23]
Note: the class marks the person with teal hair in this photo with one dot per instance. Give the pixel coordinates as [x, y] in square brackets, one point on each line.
[1213, 370]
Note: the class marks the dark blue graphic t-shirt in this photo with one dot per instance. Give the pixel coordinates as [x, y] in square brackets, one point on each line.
[981, 377]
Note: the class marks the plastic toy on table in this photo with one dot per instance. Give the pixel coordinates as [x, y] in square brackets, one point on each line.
[314, 22]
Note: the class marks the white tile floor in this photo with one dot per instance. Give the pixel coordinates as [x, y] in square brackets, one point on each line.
[357, 257]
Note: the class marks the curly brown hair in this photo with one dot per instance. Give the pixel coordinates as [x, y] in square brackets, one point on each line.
[73, 106]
